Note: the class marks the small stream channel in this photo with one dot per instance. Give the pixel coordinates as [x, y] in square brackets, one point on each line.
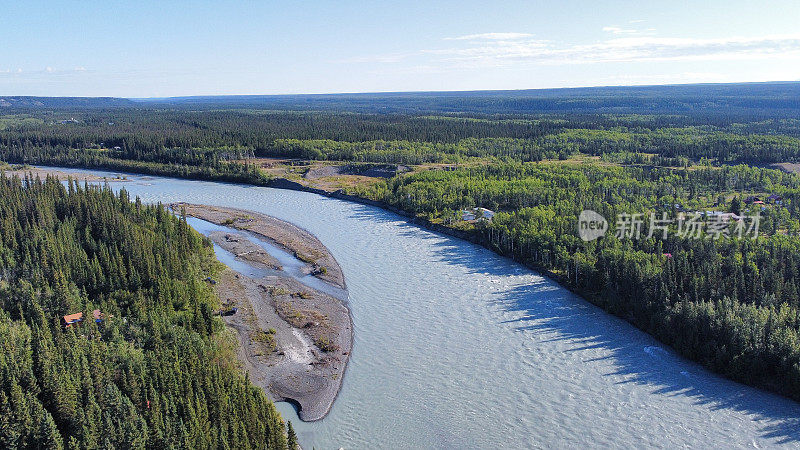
[290, 265]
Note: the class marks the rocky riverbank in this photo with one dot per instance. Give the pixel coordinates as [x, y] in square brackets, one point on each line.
[295, 341]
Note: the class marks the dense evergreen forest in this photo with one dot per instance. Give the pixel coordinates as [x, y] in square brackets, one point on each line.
[154, 370]
[536, 158]
[752, 99]
[731, 303]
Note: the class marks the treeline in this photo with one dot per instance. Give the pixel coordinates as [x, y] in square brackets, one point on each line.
[184, 165]
[176, 141]
[732, 304]
[739, 99]
[155, 372]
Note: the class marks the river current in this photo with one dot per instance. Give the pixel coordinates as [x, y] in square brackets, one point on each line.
[457, 347]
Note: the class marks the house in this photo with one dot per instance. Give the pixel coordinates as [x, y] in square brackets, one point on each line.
[469, 215]
[71, 319]
[752, 199]
[486, 213]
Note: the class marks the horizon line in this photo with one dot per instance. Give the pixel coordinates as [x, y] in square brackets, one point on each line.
[566, 88]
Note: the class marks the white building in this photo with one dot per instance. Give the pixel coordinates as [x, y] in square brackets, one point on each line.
[469, 215]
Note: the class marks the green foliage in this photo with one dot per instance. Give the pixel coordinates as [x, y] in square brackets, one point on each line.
[292, 436]
[154, 373]
[325, 344]
[211, 144]
[731, 304]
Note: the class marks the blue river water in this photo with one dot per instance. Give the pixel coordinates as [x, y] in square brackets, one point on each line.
[457, 347]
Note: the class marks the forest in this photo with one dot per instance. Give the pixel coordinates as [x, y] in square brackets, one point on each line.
[732, 304]
[149, 365]
[537, 159]
[753, 99]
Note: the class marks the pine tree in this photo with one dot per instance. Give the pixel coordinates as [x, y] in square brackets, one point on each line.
[291, 436]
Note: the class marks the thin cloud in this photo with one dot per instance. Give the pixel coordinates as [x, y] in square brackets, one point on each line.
[683, 77]
[494, 53]
[48, 71]
[490, 37]
[618, 30]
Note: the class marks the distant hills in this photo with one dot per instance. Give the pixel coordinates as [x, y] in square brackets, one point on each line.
[767, 99]
[64, 102]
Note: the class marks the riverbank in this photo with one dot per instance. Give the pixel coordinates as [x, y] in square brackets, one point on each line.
[604, 299]
[294, 341]
[302, 244]
[38, 172]
[445, 325]
[601, 300]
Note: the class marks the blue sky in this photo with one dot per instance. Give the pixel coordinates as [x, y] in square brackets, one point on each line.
[171, 48]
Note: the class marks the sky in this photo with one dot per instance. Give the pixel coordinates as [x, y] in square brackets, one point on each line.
[174, 48]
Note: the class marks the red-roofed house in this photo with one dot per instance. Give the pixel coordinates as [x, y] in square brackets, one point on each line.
[71, 319]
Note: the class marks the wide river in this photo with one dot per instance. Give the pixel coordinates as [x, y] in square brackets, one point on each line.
[456, 347]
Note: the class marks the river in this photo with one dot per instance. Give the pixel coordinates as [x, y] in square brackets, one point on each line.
[457, 347]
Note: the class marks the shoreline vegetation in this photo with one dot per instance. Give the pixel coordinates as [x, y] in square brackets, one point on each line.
[535, 158]
[294, 341]
[481, 235]
[108, 330]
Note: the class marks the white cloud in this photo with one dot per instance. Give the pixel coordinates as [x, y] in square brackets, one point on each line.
[618, 30]
[490, 36]
[47, 73]
[491, 52]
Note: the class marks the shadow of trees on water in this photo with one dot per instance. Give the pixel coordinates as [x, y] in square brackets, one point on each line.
[546, 307]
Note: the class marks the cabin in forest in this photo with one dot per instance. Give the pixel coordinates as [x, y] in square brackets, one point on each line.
[752, 199]
[470, 215]
[71, 319]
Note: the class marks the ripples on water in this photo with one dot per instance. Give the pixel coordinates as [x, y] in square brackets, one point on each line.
[456, 347]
